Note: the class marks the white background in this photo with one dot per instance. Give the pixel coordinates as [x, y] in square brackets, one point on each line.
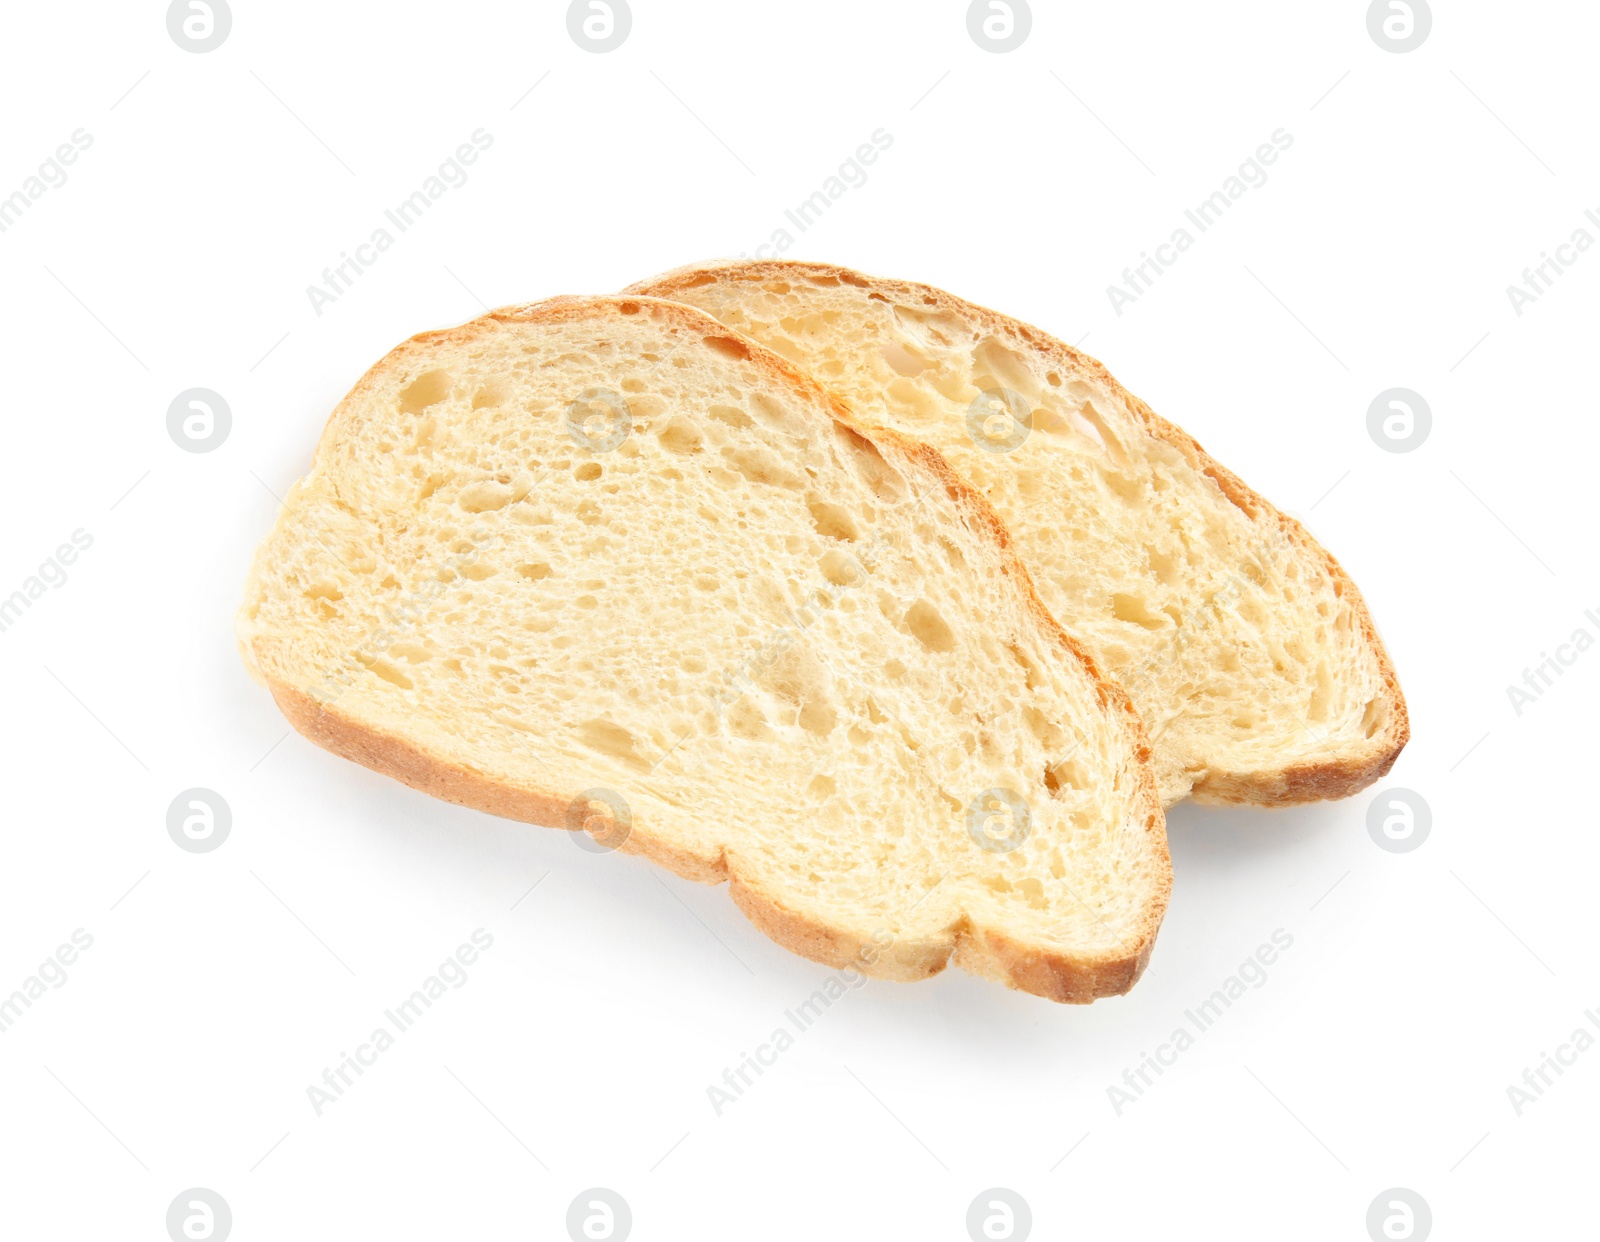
[219, 986]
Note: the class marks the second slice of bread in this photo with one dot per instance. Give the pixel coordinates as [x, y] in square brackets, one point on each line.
[1248, 651]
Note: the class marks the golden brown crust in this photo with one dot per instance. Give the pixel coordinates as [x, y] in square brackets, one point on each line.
[997, 955]
[1075, 977]
[1307, 782]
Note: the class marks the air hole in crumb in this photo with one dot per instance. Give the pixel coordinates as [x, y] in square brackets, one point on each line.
[606, 738]
[494, 393]
[832, 521]
[929, 628]
[1068, 774]
[1133, 609]
[427, 389]
[904, 359]
[680, 436]
[728, 346]
[486, 496]
[1032, 891]
[746, 720]
[390, 674]
[732, 415]
[840, 568]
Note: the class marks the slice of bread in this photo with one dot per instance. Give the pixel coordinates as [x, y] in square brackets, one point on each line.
[602, 563]
[1246, 649]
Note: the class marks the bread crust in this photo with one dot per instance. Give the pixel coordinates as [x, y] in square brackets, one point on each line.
[1300, 783]
[1067, 976]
